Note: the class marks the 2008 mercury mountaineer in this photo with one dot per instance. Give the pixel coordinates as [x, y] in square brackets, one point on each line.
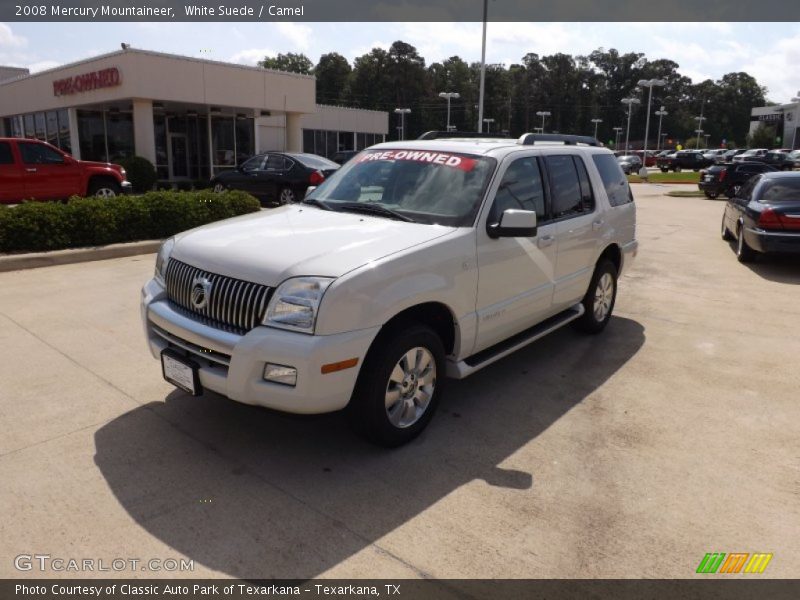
[415, 261]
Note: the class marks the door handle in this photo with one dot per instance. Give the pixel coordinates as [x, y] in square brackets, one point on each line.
[597, 224]
[31, 170]
[545, 241]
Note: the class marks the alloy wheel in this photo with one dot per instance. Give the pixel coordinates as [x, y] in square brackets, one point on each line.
[410, 388]
[603, 297]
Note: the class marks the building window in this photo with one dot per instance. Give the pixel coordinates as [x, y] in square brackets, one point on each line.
[245, 147]
[30, 132]
[92, 135]
[222, 143]
[64, 141]
[119, 132]
[51, 117]
[39, 121]
[308, 141]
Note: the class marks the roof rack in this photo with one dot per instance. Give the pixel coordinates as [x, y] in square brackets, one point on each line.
[438, 135]
[529, 139]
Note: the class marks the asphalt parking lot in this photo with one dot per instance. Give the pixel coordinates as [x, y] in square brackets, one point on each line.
[630, 454]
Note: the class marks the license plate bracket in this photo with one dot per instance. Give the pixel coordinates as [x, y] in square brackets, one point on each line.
[181, 372]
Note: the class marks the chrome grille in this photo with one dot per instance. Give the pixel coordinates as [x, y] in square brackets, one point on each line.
[233, 304]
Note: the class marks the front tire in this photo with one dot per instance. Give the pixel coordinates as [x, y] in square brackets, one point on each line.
[219, 188]
[598, 303]
[711, 195]
[104, 188]
[726, 233]
[399, 386]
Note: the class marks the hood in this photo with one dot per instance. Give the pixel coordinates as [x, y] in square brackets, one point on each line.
[296, 240]
[102, 165]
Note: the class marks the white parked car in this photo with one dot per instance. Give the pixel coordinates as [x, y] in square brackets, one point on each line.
[416, 261]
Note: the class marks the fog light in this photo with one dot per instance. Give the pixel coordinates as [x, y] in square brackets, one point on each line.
[280, 374]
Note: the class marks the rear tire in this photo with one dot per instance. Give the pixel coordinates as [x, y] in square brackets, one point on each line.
[677, 169]
[663, 170]
[711, 195]
[598, 303]
[744, 253]
[286, 195]
[399, 386]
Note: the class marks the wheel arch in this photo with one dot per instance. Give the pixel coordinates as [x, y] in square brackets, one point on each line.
[613, 253]
[436, 315]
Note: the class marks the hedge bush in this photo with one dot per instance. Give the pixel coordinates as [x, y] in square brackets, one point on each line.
[140, 172]
[35, 226]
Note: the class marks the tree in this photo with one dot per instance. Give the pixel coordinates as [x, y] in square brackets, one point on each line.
[762, 137]
[333, 75]
[294, 63]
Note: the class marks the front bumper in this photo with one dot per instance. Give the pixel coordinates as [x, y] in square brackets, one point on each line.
[233, 365]
[772, 241]
[126, 187]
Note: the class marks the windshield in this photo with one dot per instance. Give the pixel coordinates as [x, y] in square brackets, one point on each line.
[426, 187]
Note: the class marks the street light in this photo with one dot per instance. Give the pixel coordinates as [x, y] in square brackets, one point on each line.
[661, 114]
[648, 83]
[630, 102]
[402, 112]
[488, 125]
[449, 95]
[618, 132]
[700, 120]
[543, 114]
[596, 122]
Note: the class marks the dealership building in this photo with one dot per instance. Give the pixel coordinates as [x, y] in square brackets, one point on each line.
[190, 117]
[782, 119]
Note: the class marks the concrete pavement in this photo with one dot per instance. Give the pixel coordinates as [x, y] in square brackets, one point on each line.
[630, 454]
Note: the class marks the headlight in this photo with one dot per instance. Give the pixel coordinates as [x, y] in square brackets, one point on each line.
[294, 304]
[162, 258]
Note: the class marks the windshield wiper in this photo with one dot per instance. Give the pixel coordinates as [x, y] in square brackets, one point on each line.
[317, 203]
[375, 209]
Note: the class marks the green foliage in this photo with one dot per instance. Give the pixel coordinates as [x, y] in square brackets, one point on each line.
[140, 172]
[762, 137]
[294, 63]
[36, 226]
[574, 89]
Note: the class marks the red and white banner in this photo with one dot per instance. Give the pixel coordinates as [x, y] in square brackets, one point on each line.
[437, 158]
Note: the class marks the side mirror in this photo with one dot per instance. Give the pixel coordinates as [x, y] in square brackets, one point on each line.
[514, 223]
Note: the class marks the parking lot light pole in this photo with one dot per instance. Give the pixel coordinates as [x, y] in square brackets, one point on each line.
[648, 83]
[708, 135]
[596, 123]
[543, 114]
[488, 125]
[629, 102]
[661, 114]
[402, 112]
[700, 120]
[662, 136]
[618, 132]
[698, 133]
[449, 95]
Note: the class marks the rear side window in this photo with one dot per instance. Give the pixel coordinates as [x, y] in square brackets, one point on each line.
[5, 154]
[614, 179]
[566, 194]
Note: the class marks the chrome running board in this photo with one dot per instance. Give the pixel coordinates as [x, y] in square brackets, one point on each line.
[466, 367]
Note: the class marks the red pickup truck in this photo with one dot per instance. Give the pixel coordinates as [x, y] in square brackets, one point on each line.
[35, 170]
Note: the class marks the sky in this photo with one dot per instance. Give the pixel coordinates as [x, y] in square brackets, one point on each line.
[768, 51]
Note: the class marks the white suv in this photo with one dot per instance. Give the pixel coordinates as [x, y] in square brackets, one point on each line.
[415, 261]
